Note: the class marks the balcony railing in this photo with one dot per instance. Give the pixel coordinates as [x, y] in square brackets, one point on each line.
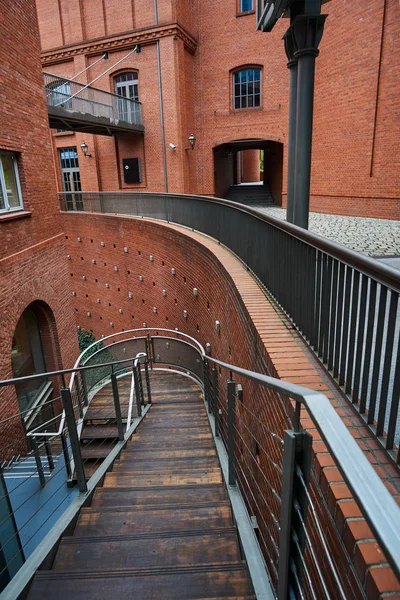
[72, 98]
[344, 304]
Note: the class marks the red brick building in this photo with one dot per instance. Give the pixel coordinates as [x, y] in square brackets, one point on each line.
[192, 55]
[37, 325]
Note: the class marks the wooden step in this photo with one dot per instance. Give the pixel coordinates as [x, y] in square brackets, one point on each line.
[112, 553]
[199, 477]
[132, 464]
[143, 443]
[95, 450]
[133, 496]
[150, 454]
[173, 435]
[198, 582]
[125, 521]
[93, 432]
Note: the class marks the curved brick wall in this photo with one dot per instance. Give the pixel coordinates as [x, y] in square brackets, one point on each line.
[255, 335]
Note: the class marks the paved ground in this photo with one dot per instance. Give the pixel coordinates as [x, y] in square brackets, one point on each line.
[373, 237]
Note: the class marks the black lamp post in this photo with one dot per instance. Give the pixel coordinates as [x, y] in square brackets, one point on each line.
[301, 44]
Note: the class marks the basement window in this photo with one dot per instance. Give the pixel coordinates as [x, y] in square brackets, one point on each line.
[10, 190]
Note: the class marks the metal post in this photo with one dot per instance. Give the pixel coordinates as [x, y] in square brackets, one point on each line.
[293, 69]
[232, 431]
[215, 401]
[137, 392]
[49, 454]
[206, 371]
[297, 452]
[307, 32]
[38, 460]
[84, 386]
[66, 456]
[146, 369]
[117, 406]
[74, 440]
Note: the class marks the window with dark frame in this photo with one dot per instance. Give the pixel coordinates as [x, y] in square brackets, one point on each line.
[245, 6]
[10, 190]
[247, 88]
[127, 87]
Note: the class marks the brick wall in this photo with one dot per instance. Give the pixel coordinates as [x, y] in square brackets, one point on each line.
[355, 164]
[32, 247]
[253, 334]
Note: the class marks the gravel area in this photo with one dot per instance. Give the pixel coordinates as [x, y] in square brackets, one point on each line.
[373, 237]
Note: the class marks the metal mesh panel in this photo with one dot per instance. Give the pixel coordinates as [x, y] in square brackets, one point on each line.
[169, 351]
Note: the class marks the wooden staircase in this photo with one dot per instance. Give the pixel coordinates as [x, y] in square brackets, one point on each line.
[161, 526]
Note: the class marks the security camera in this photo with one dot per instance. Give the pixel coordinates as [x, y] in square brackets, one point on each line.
[172, 146]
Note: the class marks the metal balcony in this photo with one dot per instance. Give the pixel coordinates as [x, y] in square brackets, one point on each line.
[75, 107]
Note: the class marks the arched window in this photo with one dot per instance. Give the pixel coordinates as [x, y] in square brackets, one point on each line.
[247, 88]
[27, 358]
[126, 86]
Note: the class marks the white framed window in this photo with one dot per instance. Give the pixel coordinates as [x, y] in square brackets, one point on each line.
[10, 189]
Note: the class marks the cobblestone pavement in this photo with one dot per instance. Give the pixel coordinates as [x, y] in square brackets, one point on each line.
[373, 237]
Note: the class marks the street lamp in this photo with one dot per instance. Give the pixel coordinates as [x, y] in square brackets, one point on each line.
[192, 141]
[85, 148]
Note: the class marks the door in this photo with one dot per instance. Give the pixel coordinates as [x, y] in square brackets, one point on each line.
[71, 178]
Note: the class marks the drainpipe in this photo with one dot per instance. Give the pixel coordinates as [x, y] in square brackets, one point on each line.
[161, 101]
[292, 66]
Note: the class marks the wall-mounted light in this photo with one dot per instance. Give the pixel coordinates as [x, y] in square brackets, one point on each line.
[192, 141]
[172, 146]
[85, 148]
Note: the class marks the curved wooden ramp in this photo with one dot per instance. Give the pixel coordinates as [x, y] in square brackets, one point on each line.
[161, 526]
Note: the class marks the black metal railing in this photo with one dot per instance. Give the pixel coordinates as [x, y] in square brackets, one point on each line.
[344, 304]
[257, 419]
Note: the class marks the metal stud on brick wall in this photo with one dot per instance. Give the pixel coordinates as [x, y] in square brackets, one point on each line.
[155, 309]
[120, 311]
[107, 285]
[115, 268]
[102, 244]
[79, 239]
[126, 250]
[130, 295]
[94, 261]
[164, 292]
[68, 257]
[195, 292]
[74, 293]
[151, 258]
[98, 300]
[89, 314]
[111, 324]
[78, 327]
[208, 347]
[173, 271]
[84, 277]
[218, 326]
[185, 314]
[140, 277]
[145, 325]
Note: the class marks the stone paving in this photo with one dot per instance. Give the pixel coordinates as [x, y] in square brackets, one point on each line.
[373, 237]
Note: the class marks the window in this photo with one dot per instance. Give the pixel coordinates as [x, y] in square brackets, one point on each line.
[247, 88]
[10, 191]
[71, 178]
[58, 92]
[245, 5]
[127, 87]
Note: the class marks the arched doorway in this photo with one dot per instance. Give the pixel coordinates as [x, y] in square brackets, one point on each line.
[249, 171]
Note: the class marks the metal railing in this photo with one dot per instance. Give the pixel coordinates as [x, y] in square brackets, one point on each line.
[257, 418]
[76, 97]
[344, 304]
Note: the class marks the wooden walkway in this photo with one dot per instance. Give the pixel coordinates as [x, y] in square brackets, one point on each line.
[161, 526]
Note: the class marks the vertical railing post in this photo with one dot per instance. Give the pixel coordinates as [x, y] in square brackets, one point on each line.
[66, 456]
[207, 385]
[146, 370]
[296, 454]
[84, 387]
[137, 392]
[49, 454]
[38, 460]
[215, 401]
[117, 405]
[74, 440]
[231, 431]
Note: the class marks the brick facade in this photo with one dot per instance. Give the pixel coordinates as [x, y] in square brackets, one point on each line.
[32, 247]
[356, 169]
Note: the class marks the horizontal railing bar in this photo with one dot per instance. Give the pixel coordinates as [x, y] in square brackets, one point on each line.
[372, 268]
